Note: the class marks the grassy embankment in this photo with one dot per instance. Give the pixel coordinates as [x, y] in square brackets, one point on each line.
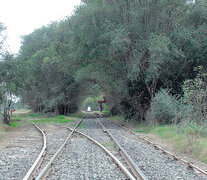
[43, 118]
[184, 141]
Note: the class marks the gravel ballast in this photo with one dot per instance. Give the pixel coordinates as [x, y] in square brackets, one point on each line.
[83, 160]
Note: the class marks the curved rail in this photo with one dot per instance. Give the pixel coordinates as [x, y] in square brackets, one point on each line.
[135, 169]
[39, 158]
[120, 165]
[190, 165]
[46, 169]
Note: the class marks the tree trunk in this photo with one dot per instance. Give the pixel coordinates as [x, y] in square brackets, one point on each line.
[68, 109]
[6, 116]
[56, 110]
[65, 110]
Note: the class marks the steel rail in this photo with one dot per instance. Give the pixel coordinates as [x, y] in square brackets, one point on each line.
[135, 169]
[37, 162]
[43, 174]
[116, 161]
[190, 165]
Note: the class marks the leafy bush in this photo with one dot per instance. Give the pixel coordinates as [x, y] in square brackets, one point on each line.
[163, 108]
[185, 112]
[195, 94]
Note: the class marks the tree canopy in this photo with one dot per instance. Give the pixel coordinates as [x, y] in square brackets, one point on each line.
[127, 49]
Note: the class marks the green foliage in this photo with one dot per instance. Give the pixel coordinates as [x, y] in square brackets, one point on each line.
[15, 124]
[163, 108]
[192, 129]
[2, 38]
[126, 50]
[185, 112]
[9, 80]
[48, 84]
[159, 50]
[195, 94]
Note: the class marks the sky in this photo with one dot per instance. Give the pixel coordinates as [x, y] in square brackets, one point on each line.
[21, 17]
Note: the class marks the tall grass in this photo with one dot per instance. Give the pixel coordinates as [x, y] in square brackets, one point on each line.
[196, 148]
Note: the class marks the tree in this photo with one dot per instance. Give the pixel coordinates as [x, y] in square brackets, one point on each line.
[9, 84]
[130, 49]
[48, 86]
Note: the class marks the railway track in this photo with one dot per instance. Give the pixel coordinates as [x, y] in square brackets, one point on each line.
[135, 169]
[153, 161]
[48, 154]
[106, 138]
[38, 165]
[53, 137]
